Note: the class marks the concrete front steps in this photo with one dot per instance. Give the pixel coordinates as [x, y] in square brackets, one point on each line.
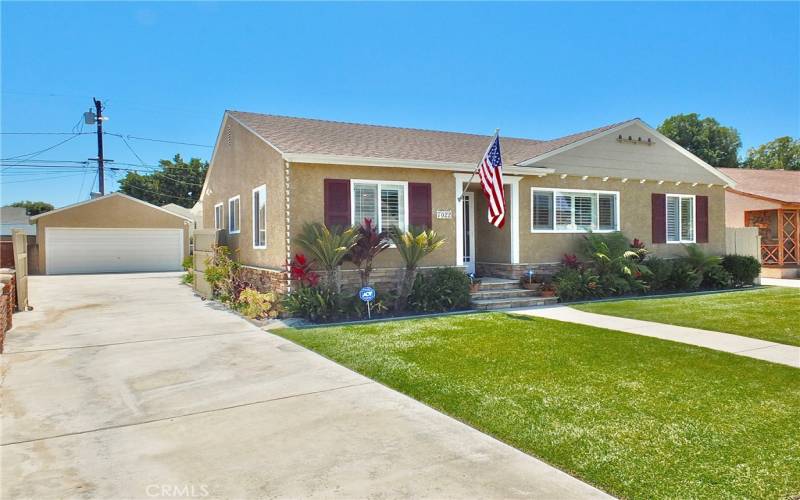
[498, 293]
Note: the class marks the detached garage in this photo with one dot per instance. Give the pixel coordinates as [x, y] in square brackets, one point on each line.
[111, 234]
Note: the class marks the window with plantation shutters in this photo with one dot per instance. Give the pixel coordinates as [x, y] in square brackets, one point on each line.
[680, 215]
[384, 202]
[555, 210]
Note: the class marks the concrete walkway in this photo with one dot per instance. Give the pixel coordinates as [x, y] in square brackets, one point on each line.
[128, 386]
[789, 283]
[726, 342]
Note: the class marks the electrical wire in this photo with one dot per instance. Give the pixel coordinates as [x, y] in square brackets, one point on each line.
[161, 140]
[37, 153]
[39, 179]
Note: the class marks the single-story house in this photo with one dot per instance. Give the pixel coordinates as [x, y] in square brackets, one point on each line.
[770, 201]
[271, 174]
[111, 233]
[14, 218]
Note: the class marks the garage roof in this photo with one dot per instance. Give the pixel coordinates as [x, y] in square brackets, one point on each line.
[122, 195]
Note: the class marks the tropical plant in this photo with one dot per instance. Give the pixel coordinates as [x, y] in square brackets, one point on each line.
[618, 266]
[413, 245]
[223, 273]
[445, 289]
[699, 260]
[684, 276]
[717, 277]
[315, 304]
[301, 271]
[370, 243]
[328, 248]
[660, 273]
[572, 283]
[258, 305]
[744, 269]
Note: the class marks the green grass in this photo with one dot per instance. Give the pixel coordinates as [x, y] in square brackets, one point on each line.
[770, 314]
[636, 416]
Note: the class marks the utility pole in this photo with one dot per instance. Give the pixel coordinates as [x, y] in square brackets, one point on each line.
[101, 180]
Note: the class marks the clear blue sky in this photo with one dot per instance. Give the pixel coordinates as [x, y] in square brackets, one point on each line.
[168, 71]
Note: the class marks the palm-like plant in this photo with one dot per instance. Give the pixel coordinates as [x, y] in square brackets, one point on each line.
[370, 243]
[328, 248]
[413, 246]
[699, 260]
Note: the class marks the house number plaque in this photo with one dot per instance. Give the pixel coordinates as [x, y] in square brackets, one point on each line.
[444, 214]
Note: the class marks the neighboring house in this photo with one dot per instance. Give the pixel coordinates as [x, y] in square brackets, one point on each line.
[271, 174]
[112, 233]
[197, 214]
[15, 218]
[770, 201]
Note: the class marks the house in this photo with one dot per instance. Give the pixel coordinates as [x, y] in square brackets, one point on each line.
[770, 201]
[271, 174]
[111, 233]
[14, 218]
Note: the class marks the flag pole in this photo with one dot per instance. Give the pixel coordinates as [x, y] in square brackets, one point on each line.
[478, 167]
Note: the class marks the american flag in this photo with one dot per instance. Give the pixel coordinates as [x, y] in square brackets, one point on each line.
[490, 171]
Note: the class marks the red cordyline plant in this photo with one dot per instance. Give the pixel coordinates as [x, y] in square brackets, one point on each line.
[370, 243]
[638, 248]
[301, 270]
[571, 261]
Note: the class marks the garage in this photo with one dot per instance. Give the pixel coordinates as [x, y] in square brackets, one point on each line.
[111, 250]
[111, 234]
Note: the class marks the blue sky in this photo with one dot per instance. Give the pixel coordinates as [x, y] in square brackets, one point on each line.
[539, 70]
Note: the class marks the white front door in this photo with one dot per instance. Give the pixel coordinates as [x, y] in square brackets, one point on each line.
[468, 240]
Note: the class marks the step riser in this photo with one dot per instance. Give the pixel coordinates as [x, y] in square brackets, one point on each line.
[500, 304]
[504, 294]
[514, 285]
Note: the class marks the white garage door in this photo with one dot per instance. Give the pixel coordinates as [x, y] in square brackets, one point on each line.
[112, 250]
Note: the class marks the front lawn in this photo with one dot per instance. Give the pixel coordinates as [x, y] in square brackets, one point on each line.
[770, 314]
[636, 416]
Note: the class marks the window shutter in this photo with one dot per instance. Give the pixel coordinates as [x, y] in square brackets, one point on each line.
[337, 202]
[701, 206]
[420, 209]
[659, 218]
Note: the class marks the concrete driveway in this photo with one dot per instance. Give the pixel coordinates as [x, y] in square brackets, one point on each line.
[128, 386]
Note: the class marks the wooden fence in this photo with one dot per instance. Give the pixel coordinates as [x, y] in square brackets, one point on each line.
[743, 241]
[20, 245]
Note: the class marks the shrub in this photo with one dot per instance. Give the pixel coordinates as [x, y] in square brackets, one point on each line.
[743, 269]
[257, 305]
[717, 277]
[224, 275]
[188, 277]
[327, 247]
[369, 244]
[316, 304]
[684, 276]
[445, 289]
[383, 303]
[574, 284]
[302, 272]
[616, 262]
[660, 273]
[413, 245]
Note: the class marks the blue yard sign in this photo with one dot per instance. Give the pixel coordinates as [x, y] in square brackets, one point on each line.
[367, 294]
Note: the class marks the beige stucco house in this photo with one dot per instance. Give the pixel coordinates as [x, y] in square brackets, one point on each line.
[271, 174]
[112, 233]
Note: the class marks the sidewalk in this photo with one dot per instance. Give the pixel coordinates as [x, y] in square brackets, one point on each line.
[726, 342]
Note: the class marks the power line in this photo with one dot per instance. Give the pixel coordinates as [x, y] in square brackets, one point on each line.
[37, 153]
[163, 140]
[39, 179]
[46, 133]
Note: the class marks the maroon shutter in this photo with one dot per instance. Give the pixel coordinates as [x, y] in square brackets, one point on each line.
[337, 202]
[701, 205]
[420, 209]
[659, 218]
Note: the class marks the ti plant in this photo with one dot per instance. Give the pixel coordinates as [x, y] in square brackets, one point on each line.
[370, 243]
[413, 245]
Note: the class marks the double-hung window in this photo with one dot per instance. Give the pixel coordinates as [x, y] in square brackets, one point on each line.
[260, 217]
[233, 215]
[384, 202]
[218, 216]
[680, 218]
[563, 211]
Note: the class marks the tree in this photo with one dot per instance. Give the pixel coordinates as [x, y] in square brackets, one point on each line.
[177, 182]
[33, 207]
[707, 139]
[781, 153]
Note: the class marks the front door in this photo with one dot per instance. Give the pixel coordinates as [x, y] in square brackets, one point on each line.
[468, 242]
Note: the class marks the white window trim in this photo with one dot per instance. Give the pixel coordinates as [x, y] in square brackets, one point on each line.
[353, 182]
[230, 215]
[262, 189]
[555, 191]
[221, 206]
[680, 227]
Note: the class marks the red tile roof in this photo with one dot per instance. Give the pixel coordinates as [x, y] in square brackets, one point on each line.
[780, 185]
[309, 136]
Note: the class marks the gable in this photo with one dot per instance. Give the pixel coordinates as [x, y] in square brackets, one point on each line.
[113, 210]
[607, 155]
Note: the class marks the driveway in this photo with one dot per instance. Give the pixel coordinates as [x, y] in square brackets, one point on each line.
[129, 386]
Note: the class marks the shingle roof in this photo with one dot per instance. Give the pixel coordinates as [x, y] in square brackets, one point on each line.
[781, 185]
[309, 136]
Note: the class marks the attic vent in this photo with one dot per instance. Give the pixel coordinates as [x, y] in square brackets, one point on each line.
[228, 136]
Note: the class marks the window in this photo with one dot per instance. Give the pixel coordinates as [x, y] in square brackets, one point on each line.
[233, 215]
[260, 217]
[383, 202]
[680, 218]
[218, 217]
[554, 210]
